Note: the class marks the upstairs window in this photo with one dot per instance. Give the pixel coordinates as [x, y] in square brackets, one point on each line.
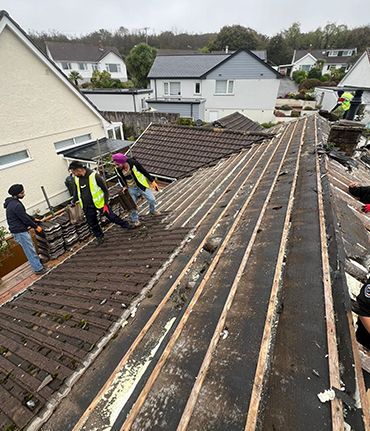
[197, 88]
[95, 66]
[66, 66]
[172, 88]
[72, 142]
[113, 68]
[14, 159]
[82, 66]
[224, 86]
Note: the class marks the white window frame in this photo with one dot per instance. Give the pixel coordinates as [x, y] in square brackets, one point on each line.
[228, 92]
[74, 145]
[107, 66]
[167, 88]
[66, 63]
[195, 88]
[95, 66]
[333, 53]
[18, 162]
[84, 66]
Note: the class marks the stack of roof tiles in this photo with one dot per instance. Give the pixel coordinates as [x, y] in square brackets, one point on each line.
[69, 233]
[177, 151]
[50, 242]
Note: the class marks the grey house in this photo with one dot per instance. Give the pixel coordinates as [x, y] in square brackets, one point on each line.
[211, 86]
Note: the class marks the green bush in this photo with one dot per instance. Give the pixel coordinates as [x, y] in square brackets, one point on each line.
[309, 84]
[184, 121]
[299, 76]
[325, 77]
[314, 73]
[295, 114]
[268, 125]
[285, 108]
[308, 108]
[309, 96]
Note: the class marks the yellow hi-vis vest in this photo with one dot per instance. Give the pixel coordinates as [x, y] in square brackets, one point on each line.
[346, 104]
[97, 193]
[140, 177]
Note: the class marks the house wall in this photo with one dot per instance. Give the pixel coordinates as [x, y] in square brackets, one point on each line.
[327, 67]
[113, 58]
[359, 75]
[326, 98]
[36, 110]
[183, 109]
[119, 102]
[304, 61]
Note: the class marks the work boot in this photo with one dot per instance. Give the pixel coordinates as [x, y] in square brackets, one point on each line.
[99, 241]
[42, 271]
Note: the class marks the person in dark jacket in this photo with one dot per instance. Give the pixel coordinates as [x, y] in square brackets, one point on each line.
[19, 222]
[362, 308]
[92, 194]
[362, 193]
[138, 181]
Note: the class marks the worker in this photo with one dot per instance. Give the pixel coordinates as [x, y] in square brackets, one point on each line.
[362, 308]
[343, 103]
[362, 193]
[137, 179]
[19, 222]
[92, 194]
[70, 184]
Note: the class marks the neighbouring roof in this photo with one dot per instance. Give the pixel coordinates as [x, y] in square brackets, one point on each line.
[186, 100]
[195, 65]
[243, 269]
[77, 51]
[177, 151]
[322, 54]
[117, 91]
[240, 122]
[94, 150]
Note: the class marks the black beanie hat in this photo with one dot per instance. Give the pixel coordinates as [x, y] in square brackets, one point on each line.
[75, 165]
[15, 189]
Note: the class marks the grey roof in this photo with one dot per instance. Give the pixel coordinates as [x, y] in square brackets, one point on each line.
[76, 51]
[116, 90]
[239, 122]
[322, 54]
[91, 151]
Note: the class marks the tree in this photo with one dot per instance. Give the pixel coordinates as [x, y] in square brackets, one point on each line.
[278, 51]
[74, 76]
[236, 37]
[103, 79]
[139, 61]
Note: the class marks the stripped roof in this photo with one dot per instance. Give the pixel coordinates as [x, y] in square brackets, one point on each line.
[238, 121]
[177, 151]
[77, 51]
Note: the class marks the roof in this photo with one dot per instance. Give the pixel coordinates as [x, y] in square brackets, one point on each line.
[238, 121]
[177, 151]
[215, 287]
[94, 150]
[7, 20]
[185, 100]
[77, 51]
[117, 90]
[196, 65]
[322, 54]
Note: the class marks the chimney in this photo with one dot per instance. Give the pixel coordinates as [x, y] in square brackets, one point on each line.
[345, 135]
[226, 49]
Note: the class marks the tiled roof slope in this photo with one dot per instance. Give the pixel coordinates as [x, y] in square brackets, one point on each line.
[240, 122]
[177, 151]
[76, 51]
[321, 54]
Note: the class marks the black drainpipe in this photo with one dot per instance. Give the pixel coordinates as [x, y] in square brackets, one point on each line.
[355, 104]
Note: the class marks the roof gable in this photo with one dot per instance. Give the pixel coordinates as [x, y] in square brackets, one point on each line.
[7, 22]
[76, 51]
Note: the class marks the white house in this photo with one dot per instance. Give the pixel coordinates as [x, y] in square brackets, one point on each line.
[119, 99]
[41, 114]
[211, 86]
[331, 59]
[84, 59]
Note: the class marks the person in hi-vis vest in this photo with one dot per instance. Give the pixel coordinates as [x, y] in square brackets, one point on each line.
[92, 194]
[139, 182]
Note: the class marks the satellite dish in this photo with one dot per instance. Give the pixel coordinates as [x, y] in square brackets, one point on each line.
[199, 123]
[163, 120]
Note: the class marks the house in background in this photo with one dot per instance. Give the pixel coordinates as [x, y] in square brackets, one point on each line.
[119, 99]
[210, 86]
[41, 115]
[84, 59]
[306, 59]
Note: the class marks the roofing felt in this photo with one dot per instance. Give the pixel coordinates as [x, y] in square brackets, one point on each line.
[93, 150]
[238, 121]
[76, 51]
[254, 265]
[177, 151]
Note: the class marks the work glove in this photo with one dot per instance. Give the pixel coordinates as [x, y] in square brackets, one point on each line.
[38, 229]
[154, 186]
[366, 208]
[105, 209]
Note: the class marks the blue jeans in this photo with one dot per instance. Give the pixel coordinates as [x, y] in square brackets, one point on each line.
[25, 241]
[135, 193]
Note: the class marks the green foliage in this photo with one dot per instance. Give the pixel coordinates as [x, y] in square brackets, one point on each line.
[74, 76]
[299, 76]
[285, 108]
[4, 244]
[268, 125]
[184, 121]
[139, 61]
[295, 114]
[337, 74]
[314, 73]
[204, 50]
[127, 84]
[326, 77]
[309, 84]
[236, 37]
[308, 108]
[278, 50]
[103, 79]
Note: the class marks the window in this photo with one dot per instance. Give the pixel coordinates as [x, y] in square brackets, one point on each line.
[66, 66]
[95, 66]
[333, 53]
[224, 86]
[172, 88]
[14, 159]
[113, 68]
[82, 66]
[72, 142]
[347, 53]
[305, 67]
[197, 88]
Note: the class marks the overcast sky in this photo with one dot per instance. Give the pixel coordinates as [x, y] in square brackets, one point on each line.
[77, 17]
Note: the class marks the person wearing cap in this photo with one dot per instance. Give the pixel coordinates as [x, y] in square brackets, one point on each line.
[92, 194]
[137, 179]
[19, 222]
[362, 308]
